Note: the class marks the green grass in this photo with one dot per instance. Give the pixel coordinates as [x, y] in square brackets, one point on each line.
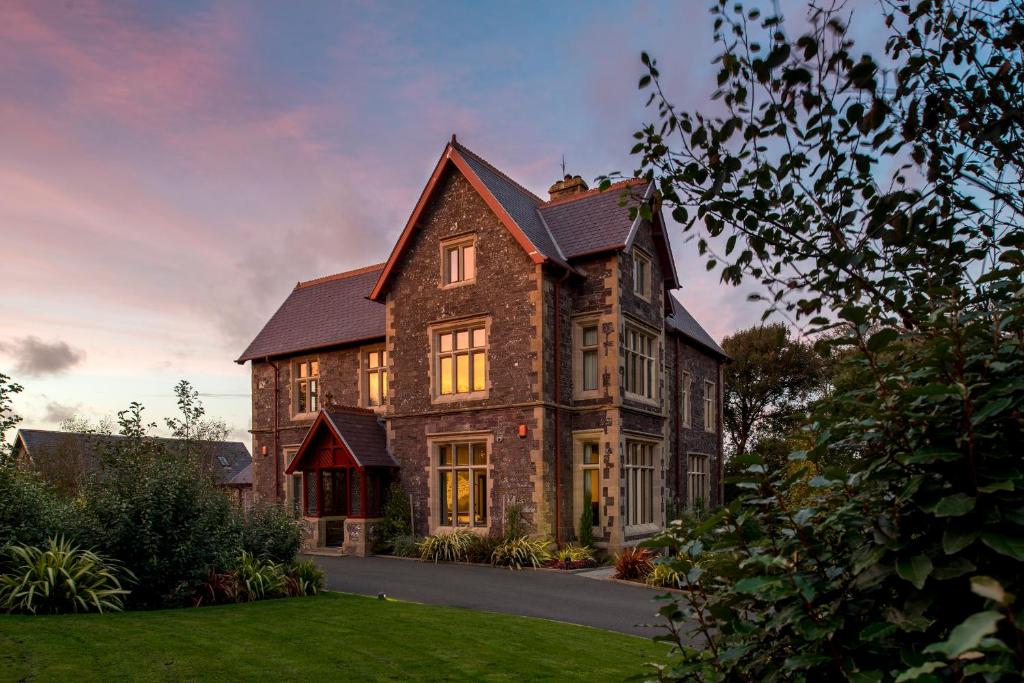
[332, 636]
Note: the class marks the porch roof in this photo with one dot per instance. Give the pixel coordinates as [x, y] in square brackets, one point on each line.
[358, 430]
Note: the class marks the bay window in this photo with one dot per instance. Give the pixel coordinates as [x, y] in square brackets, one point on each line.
[638, 470]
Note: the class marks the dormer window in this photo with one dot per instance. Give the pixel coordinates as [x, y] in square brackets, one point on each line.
[641, 275]
[458, 261]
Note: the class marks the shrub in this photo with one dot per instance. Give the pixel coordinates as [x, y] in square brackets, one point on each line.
[259, 577]
[305, 577]
[60, 577]
[633, 564]
[449, 546]
[405, 546]
[575, 553]
[663, 575]
[515, 525]
[586, 535]
[30, 510]
[482, 548]
[396, 513]
[516, 553]
[220, 587]
[163, 519]
[268, 531]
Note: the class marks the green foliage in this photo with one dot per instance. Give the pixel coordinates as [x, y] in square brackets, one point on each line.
[258, 577]
[8, 418]
[515, 525]
[448, 546]
[887, 211]
[396, 514]
[482, 547]
[586, 533]
[60, 577]
[191, 426]
[516, 553]
[162, 518]
[633, 564]
[268, 531]
[30, 510]
[405, 546]
[306, 577]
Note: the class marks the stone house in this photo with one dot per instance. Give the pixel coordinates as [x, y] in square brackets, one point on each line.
[511, 350]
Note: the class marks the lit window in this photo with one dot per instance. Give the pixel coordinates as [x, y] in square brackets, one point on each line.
[698, 484]
[687, 381]
[592, 479]
[462, 479]
[461, 360]
[641, 275]
[376, 382]
[639, 473]
[709, 406]
[459, 261]
[307, 385]
[588, 356]
[638, 352]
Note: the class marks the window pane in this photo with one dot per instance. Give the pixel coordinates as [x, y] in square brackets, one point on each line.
[591, 488]
[590, 336]
[589, 370]
[479, 497]
[462, 339]
[462, 373]
[446, 497]
[327, 492]
[374, 389]
[384, 386]
[303, 370]
[479, 454]
[479, 371]
[453, 265]
[444, 454]
[301, 395]
[462, 454]
[373, 359]
[468, 262]
[479, 338]
[590, 454]
[446, 375]
[314, 368]
[462, 497]
[312, 395]
[311, 494]
[446, 342]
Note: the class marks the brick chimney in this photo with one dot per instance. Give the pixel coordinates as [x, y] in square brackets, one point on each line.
[568, 185]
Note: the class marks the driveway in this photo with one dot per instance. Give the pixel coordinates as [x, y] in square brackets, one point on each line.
[561, 596]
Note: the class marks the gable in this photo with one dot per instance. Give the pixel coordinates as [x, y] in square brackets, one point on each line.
[514, 206]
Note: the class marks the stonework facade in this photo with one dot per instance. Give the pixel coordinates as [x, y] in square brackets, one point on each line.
[514, 378]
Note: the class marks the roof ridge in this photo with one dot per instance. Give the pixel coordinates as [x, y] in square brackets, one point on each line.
[590, 193]
[462, 148]
[339, 276]
[351, 409]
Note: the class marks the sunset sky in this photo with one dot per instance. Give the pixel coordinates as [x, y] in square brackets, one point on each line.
[169, 171]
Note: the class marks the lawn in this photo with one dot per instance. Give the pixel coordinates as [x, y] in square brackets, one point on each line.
[332, 636]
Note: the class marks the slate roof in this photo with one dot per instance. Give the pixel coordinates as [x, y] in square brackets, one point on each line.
[519, 202]
[227, 459]
[681, 321]
[364, 435]
[593, 221]
[323, 312]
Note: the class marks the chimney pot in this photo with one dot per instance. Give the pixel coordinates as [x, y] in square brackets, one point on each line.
[569, 185]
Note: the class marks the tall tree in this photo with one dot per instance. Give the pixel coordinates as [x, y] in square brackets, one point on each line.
[882, 195]
[192, 425]
[772, 378]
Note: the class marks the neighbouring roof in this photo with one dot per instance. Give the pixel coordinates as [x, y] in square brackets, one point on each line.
[243, 477]
[681, 321]
[359, 429]
[227, 459]
[324, 312]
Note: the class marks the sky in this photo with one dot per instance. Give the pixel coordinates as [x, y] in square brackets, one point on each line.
[168, 171]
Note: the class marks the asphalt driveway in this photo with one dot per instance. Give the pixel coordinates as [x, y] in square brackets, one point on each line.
[561, 596]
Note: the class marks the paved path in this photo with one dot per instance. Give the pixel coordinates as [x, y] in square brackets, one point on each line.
[561, 596]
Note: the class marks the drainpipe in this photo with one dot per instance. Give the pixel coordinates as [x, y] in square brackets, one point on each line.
[277, 429]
